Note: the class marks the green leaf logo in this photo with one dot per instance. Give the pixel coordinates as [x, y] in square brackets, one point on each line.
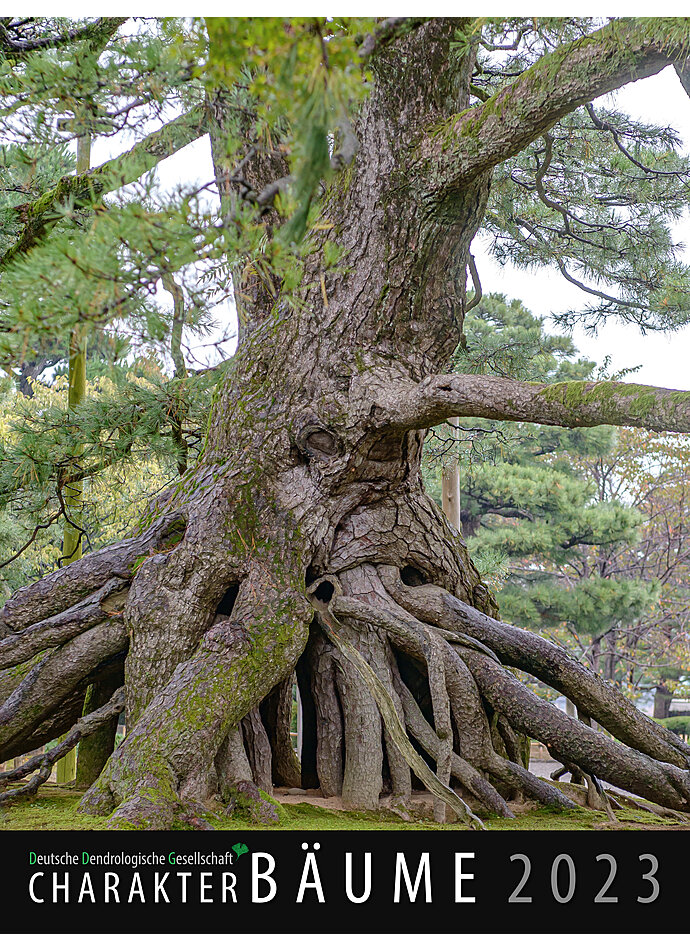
[240, 848]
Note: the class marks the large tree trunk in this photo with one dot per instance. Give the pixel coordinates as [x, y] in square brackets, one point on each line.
[662, 701]
[307, 508]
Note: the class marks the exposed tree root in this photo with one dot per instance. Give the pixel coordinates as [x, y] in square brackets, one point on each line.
[55, 677]
[96, 749]
[246, 801]
[467, 776]
[276, 712]
[400, 680]
[472, 726]
[179, 735]
[546, 661]
[43, 763]
[439, 697]
[452, 697]
[259, 749]
[66, 587]
[320, 683]
[50, 632]
[573, 741]
[396, 729]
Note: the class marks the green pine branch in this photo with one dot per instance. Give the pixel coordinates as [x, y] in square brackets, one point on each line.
[41, 215]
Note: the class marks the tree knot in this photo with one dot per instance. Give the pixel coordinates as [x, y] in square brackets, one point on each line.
[315, 439]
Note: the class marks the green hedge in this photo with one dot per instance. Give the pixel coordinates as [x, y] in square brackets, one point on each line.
[678, 724]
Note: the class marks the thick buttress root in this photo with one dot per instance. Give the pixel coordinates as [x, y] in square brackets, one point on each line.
[460, 657]
[396, 730]
[401, 685]
[441, 708]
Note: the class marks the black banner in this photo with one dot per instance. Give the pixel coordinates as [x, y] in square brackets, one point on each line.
[346, 882]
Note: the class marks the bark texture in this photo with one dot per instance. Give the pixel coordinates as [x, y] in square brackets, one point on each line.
[304, 540]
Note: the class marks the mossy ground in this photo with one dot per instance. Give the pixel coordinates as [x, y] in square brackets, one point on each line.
[55, 810]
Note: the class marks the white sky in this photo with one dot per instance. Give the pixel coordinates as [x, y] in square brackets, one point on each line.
[663, 357]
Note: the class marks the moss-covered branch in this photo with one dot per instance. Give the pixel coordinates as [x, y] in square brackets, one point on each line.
[84, 190]
[572, 404]
[18, 47]
[573, 74]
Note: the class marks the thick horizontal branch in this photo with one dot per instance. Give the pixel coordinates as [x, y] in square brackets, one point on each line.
[84, 190]
[561, 81]
[18, 47]
[571, 404]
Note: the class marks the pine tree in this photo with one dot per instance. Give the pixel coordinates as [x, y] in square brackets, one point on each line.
[353, 160]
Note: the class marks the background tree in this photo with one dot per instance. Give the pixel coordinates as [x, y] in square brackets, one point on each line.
[648, 472]
[354, 171]
[583, 530]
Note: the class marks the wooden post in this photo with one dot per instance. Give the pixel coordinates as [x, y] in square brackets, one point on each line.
[73, 493]
[450, 487]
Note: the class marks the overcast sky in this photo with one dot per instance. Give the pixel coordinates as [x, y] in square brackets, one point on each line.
[663, 357]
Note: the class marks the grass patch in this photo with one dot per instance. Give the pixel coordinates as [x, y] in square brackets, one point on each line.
[55, 809]
[51, 810]
[550, 818]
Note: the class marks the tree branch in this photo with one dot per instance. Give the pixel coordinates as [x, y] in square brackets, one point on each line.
[97, 32]
[386, 32]
[84, 190]
[616, 136]
[476, 283]
[41, 526]
[559, 260]
[561, 81]
[571, 404]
